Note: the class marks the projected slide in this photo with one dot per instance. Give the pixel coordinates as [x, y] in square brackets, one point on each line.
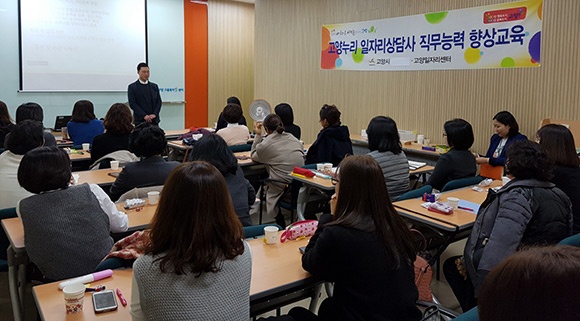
[81, 45]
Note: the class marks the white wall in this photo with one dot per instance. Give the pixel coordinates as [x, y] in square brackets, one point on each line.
[165, 48]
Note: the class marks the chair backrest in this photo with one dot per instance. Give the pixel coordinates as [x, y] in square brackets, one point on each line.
[471, 315]
[139, 192]
[123, 156]
[256, 230]
[462, 182]
[488, 171]
[240, 148]
[415, 193]
[573, 240]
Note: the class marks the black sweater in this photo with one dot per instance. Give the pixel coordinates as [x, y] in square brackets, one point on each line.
[454, 164]
[367, 286]
[568, 180]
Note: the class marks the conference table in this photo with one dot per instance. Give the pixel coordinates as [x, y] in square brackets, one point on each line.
[316, 188]
[101, 177]
[277, 275]
[413, 151]
[454, 226]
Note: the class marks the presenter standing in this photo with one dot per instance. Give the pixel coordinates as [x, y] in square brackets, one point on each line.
[144, 98]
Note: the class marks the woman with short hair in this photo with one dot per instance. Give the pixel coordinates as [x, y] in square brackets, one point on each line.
[197, 266]
[67, 228]
[507, 131]
[118, 126]
[386, 149]
[333, 142]
[458, 162]
[559, 144]
[84, 125]
[527, 211]
[365, 248]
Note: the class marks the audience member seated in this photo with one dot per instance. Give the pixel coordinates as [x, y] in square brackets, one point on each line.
[148, 142]
[280, 152]
[234, 133]
[213, 149]
[26, 135]
[118, 125]
[67, 229]
[84, 125]
[558, 142]
[386, 149]
[527, 211]
[222, 123]
[284, 110]
[197, 266]
[506, 132]
[33, 111]
[6, 123]
[458, 162]
[365, 248]
[536, 284]
[333, 142]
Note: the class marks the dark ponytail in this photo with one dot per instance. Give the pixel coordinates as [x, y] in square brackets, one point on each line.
[273, 123]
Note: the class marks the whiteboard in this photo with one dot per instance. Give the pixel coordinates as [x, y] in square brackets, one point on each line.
[81, 45]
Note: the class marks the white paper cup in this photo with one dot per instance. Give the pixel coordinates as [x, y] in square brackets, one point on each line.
[320, 167]
[363, 132]
[74, 295]
[153, 197]
[86, 147]
[76, 178]
[505, 180]
[453, 202]
[114, 165]
[426, 141]
[271, 234]
[420, 139]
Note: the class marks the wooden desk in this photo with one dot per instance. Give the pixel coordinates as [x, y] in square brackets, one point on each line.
[85, 156]
[100, 177]
[276, 269]
[413, 151]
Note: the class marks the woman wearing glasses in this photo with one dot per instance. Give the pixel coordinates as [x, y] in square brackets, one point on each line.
[506, 132]
[365, 248]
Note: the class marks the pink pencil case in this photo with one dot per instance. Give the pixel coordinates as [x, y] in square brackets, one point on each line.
[298, 229]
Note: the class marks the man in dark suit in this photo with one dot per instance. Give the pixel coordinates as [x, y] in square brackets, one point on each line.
[148, 142]
[144, 97]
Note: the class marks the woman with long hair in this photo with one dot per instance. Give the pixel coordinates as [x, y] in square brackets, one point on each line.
[558, 142]
[280, 151]
[214, 150]
[197, 266]
[6, 123]
[365, 248]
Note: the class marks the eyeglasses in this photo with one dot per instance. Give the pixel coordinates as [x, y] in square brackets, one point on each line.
[334, 180]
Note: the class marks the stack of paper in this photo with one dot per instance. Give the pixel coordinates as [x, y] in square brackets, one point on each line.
[415, 165]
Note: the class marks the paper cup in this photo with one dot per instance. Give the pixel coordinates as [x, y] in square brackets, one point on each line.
[74, 295]
[420, 139]
[76, 178]
[271, 234]
[426, 141]
[320, 167]
[363, 132]
[453, 202]
[328, 167]
[86, 147]
[153, 197]
[114, 165]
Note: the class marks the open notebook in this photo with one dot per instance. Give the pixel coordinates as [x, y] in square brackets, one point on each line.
[415, 165]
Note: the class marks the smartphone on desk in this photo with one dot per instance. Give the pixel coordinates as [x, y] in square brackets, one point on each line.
[104, 301]
[302, 249]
